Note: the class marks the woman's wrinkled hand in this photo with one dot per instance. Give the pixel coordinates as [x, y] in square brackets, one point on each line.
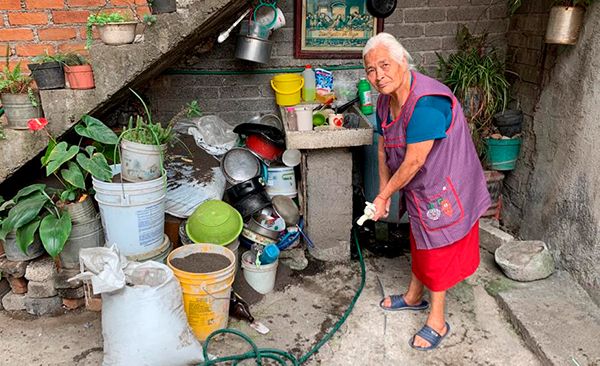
[382, 207]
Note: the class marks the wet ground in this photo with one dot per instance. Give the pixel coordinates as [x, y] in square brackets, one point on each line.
[301, 311]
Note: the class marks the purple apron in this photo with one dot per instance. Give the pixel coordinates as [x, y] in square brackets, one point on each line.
[449, 193]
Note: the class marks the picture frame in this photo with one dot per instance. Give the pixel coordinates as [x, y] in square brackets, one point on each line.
[336, 29]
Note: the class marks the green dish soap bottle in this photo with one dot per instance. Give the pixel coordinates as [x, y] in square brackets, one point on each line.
[364, 94]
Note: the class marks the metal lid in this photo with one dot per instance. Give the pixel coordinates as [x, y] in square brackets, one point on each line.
[239, 165]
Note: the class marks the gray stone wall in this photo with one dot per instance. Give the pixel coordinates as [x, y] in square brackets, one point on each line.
[554, 190]
[424, 27]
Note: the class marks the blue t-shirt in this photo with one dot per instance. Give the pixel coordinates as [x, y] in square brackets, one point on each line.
[430, 119]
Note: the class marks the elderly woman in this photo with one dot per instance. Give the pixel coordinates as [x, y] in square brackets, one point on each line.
[426, 153]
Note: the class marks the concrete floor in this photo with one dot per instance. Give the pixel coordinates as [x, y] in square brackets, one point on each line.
[300, 315]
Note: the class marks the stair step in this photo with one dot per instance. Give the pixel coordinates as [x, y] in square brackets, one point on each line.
[116, 68]
[557, 319]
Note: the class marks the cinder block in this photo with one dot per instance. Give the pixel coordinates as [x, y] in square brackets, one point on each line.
[12, 268]
[13, 302]
[61, 279]
[41, 270]
[490, 237]
[71, 293]
[41, 289]
[43, 306]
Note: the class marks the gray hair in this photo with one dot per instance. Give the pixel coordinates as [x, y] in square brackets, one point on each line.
[390, 42]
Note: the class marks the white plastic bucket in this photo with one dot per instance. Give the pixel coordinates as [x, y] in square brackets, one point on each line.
[133, 214]
[281, 181]
[140, 162]
[304, 116]
[261, 278]
[158, 255]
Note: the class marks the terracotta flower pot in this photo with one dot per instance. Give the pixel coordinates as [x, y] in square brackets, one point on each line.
[80, 76]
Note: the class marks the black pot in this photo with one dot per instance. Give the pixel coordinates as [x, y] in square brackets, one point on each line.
[509, 122]
[252, 203]
[163, 6]
[241, 190]
[48, 75]
[381, 8]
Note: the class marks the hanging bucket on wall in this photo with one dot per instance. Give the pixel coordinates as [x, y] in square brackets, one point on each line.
[503, 153]
[564, 24]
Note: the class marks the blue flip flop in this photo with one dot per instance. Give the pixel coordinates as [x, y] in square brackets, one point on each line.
[398, 303]
[431, 336]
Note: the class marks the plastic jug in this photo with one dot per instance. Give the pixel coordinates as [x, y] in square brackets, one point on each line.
[269, 254]
[309, 89]
[364, 94]
[304, 117]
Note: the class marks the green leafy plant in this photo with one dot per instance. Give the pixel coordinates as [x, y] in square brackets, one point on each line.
[41, 59]
[101, 19]
[74, 59]
[476, 75]
[34, 210]
[73, 164]
[14, 81]
[145, 131]
[193, 109]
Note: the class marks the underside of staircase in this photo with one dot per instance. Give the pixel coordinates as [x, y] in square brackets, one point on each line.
[118, 68]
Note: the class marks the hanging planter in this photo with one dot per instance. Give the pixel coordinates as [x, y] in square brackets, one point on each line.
[116, 34]
[564, 24]
[508, 122]
[162, 6]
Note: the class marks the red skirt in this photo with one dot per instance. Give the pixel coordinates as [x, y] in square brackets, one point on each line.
[440, 269]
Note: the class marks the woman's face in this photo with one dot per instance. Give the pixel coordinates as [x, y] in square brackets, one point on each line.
[383, 71]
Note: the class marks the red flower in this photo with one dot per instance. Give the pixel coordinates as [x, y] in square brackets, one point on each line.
[36, 124]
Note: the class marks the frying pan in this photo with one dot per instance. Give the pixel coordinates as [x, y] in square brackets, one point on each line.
[381, 8]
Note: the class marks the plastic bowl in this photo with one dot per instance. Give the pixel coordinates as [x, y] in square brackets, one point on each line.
[214, 222]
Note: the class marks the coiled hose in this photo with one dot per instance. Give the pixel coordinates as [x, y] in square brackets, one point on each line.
[260, 354]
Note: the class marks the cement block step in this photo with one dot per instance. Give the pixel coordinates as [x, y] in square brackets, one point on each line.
[557, 319]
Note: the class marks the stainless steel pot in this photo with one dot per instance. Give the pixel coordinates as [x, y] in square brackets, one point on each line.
[239, 165]
[253, 49]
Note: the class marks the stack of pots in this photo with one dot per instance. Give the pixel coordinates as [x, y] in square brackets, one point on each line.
[253, 42]
[86, 232]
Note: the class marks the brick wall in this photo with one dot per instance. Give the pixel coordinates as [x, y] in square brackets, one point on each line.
[424, 27]
[33, 27]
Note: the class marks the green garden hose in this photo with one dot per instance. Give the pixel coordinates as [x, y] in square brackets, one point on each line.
[260, 354]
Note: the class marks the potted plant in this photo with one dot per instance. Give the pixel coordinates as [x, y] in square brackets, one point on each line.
[162, 6]
[78, 71]
[476, 75]
[71, 165]
[143, 145]
[19, 101]
[115, 28]
[47, 71]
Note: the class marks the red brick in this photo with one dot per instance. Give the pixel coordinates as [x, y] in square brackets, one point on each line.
[142, 10]
[13, 64]
[17, 34]
[83, 31]
[18, 285]
[35, 49]
[86, 2]
[10, 4]
[94, 304]
[78, 47]
[45, 4]
[57, 34]
[1, 22]
[27, 18]
[128, 2]
[70, 16]
[72, 304]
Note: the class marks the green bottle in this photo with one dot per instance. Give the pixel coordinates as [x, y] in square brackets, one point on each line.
[364, 94]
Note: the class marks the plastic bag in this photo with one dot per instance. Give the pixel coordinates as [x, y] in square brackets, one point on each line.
[143, 320]
[211, 133]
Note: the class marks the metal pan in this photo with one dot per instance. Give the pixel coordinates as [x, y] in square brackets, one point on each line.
[239, 165]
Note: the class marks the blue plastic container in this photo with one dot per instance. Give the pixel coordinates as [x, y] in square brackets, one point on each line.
[269, 254]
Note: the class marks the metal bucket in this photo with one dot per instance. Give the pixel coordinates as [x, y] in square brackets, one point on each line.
[82, 212]
[14, 253]
[253, 49]
[163, 6]
[564, 24]
[83, 235]
[19, 110]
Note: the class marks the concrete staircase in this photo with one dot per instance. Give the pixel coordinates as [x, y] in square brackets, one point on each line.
[116, 68]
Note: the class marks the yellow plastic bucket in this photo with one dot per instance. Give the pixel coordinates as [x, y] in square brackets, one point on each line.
[205, 295]
[287, 88]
